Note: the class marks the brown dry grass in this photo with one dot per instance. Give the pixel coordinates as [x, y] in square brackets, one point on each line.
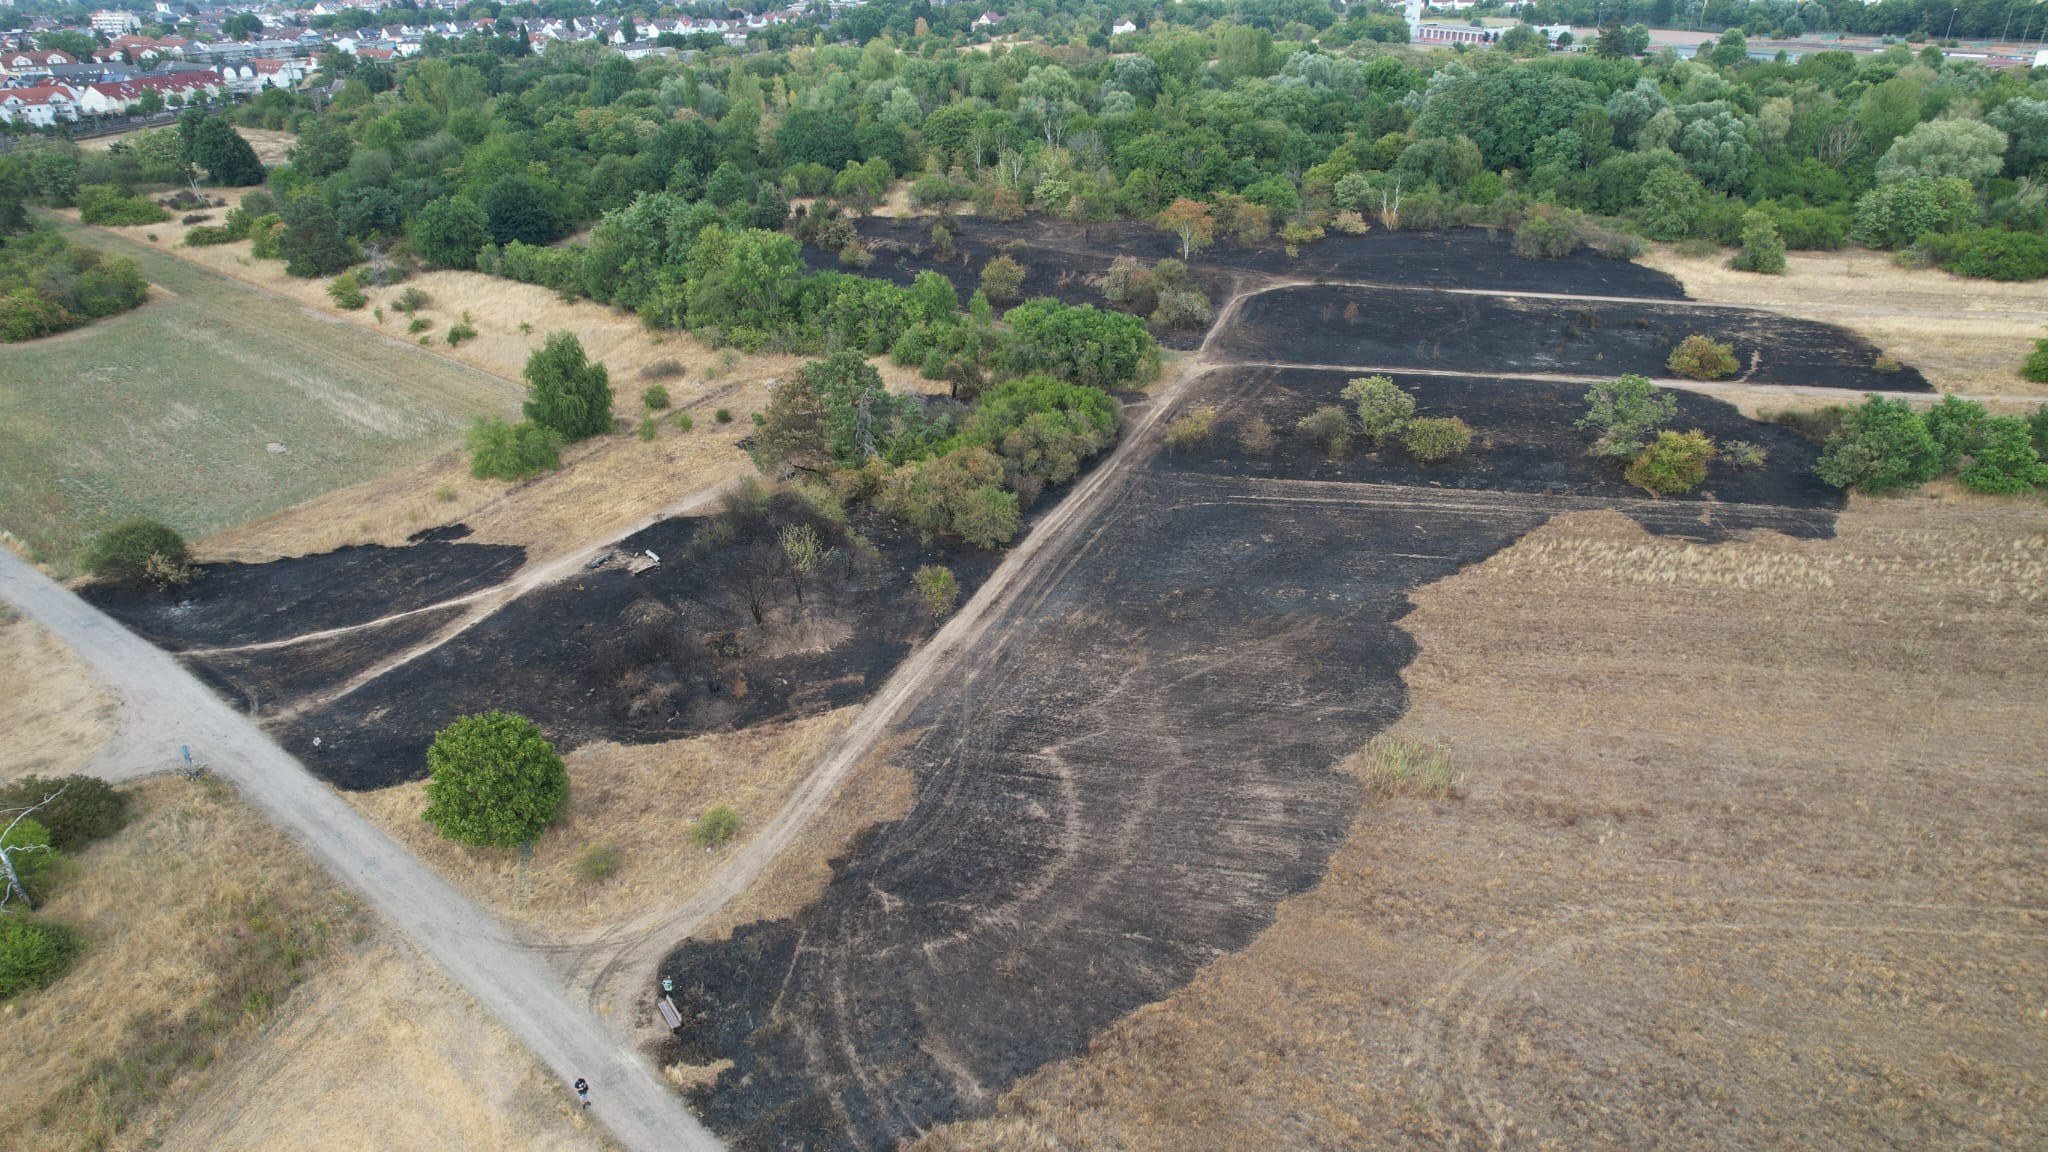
[638, 798]
[188, 913]
[1964, 335]
[385, 1053]
[1752, 855]
[54, 714]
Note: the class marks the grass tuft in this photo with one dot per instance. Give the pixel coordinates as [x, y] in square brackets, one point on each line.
[1392, 765]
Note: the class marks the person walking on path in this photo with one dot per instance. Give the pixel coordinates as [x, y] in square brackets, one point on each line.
[583, 1091]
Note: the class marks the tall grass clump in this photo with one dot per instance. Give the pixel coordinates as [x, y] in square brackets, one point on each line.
[1391, 765]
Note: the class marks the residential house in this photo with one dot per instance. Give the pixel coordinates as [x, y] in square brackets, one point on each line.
[109, 22]
[41, 107]
[1122, 28]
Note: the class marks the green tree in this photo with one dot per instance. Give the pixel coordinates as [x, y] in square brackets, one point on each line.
[312, 243]
[1001, 278]
[1732, 51]
[323, 148]
[1881, 446]
[1384, 408]
[808, 136]
[1702, 358]
[449, 232]
[1895, 215]
[227, 158]
[1763, 250]
[856, 405]
[1080, 344]
[2024, 120]
[501, 451]
[1669, 203]
[2004, 459]
[26, 859]
[1968, 150]
[516, 209]
[565, 392]
[494, 781]
[792, 430]
[1627, 412]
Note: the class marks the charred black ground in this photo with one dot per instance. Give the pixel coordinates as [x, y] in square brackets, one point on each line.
[1461, 332]
[1142, 764]
[232, 604]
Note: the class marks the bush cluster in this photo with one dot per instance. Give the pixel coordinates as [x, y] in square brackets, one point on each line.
[140, 554]
[501, 451]
[1884, 445]
[49, 285]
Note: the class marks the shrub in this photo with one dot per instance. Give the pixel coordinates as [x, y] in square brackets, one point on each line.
[1329, 427]
[938, 586]
[1255, 436]
[598, 863]
[649, 428]
[1434, 438]
[723, 416]
[1881, 445]
[2035, 367]
[501, 451]
[346, 290]
[459, 331]
[716, 827]
[1403, 766]
[1627, 412]
[654, 397]
[1745, 453]
[1182, 309]
[1676, 462]
[1548, 233]
[659, 370]
[1814, 425]
[1956, 425]
[2004, 459]
[411, 300]
[34, 856]
[1192, 430]
[493, 781]
[1702, 358]
[419, 324]
[2039, 423]
[683, 422]
[1993, 254]
[1384, 409]
[1894, 215]
[86, 808]
[1885, 363]
[1763, 250]
[122, 555]
[34, 953]
[105, 205]
[1002, 279]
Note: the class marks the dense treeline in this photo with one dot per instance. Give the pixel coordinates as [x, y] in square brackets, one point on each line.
[49, 285]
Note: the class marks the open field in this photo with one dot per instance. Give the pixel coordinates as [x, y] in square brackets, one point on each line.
[1741, 862]
[209, 407]
[54, 716]
[232, 993]
[1966, 336]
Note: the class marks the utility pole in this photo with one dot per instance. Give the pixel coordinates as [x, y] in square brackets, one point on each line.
[1951, 23]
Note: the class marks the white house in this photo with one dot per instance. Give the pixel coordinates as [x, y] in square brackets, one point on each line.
[112, 23]
[988, 19]
[41, 106]
[1122, 28]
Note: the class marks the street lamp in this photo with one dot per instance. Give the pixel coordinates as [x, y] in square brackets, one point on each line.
[1951, 23]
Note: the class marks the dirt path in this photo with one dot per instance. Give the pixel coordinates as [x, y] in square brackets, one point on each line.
[163, 706]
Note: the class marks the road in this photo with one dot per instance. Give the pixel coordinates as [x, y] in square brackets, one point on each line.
[162, 706]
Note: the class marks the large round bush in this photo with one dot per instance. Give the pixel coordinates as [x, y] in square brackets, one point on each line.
[34, 953]
[494, 781]
[123, 554]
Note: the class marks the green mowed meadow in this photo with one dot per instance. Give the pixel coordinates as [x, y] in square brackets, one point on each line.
[210, 406]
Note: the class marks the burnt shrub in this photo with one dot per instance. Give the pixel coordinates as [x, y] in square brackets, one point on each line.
[1328, 426]
[1192, 430]
[1434, 438]
[1675, 462]
[1702, 358]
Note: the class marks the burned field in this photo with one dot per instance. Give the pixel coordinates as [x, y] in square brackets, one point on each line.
[1141, 762]
[1067, 261]
[723, 633]
[1460, 332]
[236, 604]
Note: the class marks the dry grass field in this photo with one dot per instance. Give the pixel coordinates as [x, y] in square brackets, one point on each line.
[1967, 336]
[637, 799]
[232, 996]
[54, 716]
[1749, 853]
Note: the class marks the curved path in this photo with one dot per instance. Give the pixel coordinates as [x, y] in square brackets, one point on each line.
[163, 706]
